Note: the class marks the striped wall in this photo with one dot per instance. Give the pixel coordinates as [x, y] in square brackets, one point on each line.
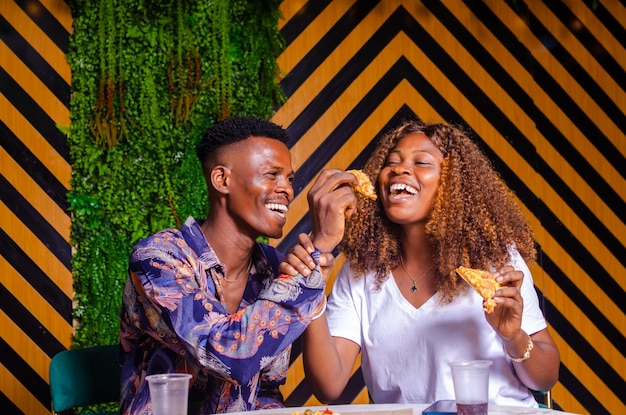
[542, 86]
[540, 83]
[35, 275]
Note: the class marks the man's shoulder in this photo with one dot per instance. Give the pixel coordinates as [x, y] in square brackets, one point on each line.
[169, 242]
[159, 238]
[172, 235]
[163, 244]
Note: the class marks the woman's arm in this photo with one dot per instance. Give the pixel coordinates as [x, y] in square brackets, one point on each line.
[328, 361]
[540, 370]
[535, 357]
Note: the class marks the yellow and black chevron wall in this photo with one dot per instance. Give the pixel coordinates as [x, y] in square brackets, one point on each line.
[541, 83]
[35, 274]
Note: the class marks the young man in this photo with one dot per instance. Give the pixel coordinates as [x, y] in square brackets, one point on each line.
[207, 299]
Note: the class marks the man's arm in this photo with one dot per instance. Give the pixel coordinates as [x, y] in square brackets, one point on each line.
[175, 308]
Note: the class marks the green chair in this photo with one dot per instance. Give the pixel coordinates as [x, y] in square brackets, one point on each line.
[82, 377]
[544, 398]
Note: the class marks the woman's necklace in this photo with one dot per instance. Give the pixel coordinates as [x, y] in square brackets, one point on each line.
[414, 286]
[238, 278]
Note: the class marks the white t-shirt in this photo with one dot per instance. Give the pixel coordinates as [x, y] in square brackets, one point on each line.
[406, 351]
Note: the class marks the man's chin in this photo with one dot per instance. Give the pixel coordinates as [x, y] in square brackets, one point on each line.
[276, 235]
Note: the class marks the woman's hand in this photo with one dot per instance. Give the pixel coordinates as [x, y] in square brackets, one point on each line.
[540, 370]
[300, 261]
[506, 318]
[331, 201]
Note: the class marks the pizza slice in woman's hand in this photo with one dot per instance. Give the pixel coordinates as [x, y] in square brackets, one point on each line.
[483, 282]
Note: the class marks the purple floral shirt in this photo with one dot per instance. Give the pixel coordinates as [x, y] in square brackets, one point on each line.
[173, 319]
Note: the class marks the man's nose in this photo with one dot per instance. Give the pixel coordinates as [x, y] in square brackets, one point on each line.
[285, 186]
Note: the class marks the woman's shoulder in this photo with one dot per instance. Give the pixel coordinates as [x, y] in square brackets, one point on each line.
[517, 262]
[347, 270]
[363, 282]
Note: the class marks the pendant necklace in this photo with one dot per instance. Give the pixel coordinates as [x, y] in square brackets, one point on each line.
[414, 286]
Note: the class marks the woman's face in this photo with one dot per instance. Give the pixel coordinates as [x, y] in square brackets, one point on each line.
[409, 179]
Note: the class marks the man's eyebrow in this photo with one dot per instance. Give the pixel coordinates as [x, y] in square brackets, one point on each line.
[281, 168]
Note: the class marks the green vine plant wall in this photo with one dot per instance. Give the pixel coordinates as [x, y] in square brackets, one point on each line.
[148, 77]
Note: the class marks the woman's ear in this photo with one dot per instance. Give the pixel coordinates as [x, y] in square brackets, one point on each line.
[220, 178]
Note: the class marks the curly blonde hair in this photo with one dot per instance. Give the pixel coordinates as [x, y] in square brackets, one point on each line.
[474, 221]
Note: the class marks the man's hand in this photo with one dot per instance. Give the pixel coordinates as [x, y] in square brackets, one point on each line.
[331, 202]
[300, 261]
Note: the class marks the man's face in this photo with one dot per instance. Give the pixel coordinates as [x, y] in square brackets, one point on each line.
[260, 186]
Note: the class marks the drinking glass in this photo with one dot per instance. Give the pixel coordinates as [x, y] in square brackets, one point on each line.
[471, 386]
[169, 393]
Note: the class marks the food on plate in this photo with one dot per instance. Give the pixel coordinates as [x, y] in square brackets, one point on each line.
[364, 186]
[483, 282]
[316, 412]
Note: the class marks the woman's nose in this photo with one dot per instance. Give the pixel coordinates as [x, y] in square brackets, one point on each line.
[400, 168]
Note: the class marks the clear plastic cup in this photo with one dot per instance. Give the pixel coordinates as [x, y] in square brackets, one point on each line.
[471, 386]
[169, 393]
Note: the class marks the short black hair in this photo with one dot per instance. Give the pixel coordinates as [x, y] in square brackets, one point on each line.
[235, 129]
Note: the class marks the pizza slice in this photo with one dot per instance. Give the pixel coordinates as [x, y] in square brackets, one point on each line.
[364, 186]
[316, 412]
[483, 282]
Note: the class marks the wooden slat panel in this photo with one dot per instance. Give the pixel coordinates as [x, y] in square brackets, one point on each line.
[595, 26]
[309, 37]
[578, 50]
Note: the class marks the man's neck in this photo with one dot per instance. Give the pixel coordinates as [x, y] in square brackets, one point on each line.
[233, 248]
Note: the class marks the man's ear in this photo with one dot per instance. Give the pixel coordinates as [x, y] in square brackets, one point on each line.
[220, 179]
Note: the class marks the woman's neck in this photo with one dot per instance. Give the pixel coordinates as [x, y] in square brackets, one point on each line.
[416, 246]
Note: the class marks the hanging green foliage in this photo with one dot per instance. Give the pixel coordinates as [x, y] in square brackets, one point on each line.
[148, 77]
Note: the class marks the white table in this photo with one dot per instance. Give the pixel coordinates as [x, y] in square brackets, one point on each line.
[389, 409]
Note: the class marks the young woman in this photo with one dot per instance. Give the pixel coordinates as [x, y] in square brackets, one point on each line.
[398, 299]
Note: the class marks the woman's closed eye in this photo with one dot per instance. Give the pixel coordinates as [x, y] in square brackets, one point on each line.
[422, 162]
[392, 161]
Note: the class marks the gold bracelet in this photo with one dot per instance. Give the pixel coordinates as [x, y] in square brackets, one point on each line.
[526, 354]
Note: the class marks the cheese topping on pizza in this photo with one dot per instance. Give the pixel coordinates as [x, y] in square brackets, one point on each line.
[483, 282]
[364, 186]
[311, 412]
